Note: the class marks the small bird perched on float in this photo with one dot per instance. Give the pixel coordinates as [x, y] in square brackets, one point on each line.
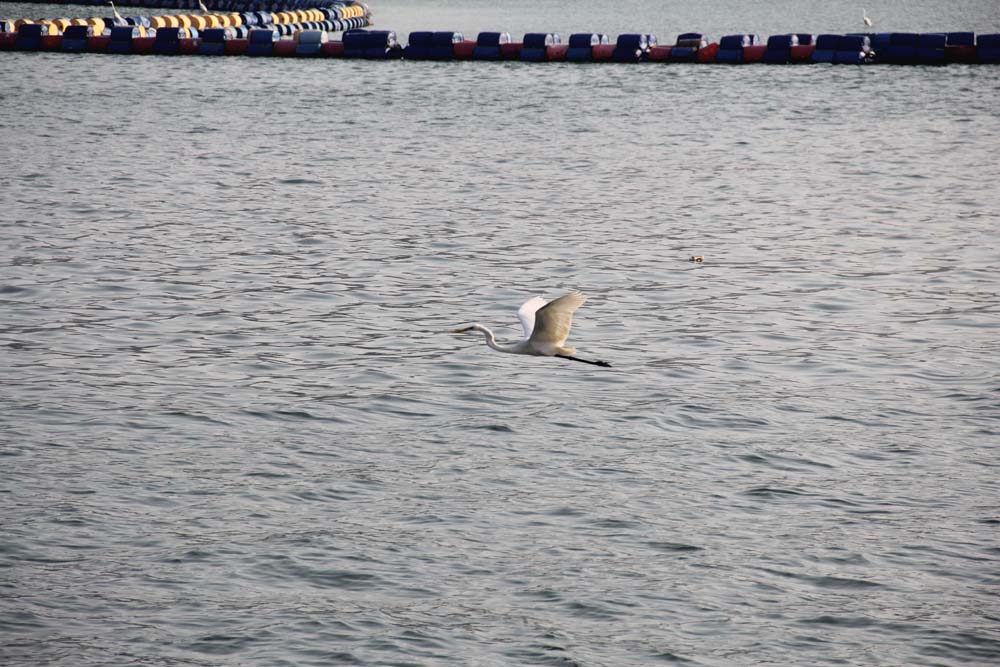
[119, 19]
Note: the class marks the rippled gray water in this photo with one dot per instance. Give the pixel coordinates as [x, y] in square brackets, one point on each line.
[235, 429]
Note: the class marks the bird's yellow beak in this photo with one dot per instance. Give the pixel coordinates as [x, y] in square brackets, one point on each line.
[463, 330]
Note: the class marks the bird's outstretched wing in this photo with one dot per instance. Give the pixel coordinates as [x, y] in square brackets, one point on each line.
[526, 313]
[552, 321]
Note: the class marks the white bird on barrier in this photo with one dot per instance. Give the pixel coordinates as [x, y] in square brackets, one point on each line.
[117, 15]
[864, 17]
[546, 327]
[202, 7]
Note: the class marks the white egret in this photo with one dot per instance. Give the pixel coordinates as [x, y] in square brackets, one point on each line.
[546, 327]
[864, 17]
[202, 7]
[117, 15]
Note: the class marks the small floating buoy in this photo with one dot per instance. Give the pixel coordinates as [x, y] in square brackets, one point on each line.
[697, 258]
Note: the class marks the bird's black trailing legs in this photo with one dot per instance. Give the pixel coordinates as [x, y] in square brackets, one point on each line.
[603, 364]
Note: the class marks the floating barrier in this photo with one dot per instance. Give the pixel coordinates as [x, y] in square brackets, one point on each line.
[120, 39]
[853, 50]
[299, 31]
[779, 49]
[488, 45]
[960, 47]
[371, 45]
[29, 36]
[168, 40]
[899, 48]
[580, 48]
[309, 43]
[350, 7]
[630, 48]
[534, 46]
[688, 46]
[261, 42]
[213, 41]
[930, 49]
[426, 45]
[988, 48]
[288, 18]
[75, 38]
[826, 47]
[731, 48]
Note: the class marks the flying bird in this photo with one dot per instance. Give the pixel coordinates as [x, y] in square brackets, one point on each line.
[864, 17]
[546, 327]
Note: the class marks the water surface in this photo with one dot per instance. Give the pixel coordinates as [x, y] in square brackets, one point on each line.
[235, 429]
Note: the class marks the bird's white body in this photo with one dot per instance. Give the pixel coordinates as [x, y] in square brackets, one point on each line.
[546, 328]
[864, 17]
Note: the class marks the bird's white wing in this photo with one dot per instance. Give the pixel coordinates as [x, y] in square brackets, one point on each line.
[526, 313]
[552, 322]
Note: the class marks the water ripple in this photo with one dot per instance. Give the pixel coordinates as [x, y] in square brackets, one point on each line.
[236, 428]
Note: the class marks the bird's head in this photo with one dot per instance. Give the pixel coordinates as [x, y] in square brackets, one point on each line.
[476, 326]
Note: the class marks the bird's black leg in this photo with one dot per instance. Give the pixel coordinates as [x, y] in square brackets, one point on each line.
[603, 364]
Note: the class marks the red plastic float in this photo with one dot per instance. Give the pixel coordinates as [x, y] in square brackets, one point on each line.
[51, 43]
[556, 52]
[284, 48]
[7, 40]
[754, 54]
[332, 50]
[463, 50]
[189, 46]
[802, 53]
[236, 47]
[658, 54]
[98, 43]
[602, 51]
[706, 54]
[143, 45]
[960, 54]
[510, 51]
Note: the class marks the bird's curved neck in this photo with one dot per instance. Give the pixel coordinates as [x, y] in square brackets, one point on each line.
[491, 340]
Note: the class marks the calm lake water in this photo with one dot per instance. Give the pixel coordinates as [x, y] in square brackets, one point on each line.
[235, 428]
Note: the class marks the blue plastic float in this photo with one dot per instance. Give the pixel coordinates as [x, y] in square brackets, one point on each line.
[488, 45]
[534, 47]
[630, 48]
[779, 49]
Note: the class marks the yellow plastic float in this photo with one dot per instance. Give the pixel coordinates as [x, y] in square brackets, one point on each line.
[184, 22]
